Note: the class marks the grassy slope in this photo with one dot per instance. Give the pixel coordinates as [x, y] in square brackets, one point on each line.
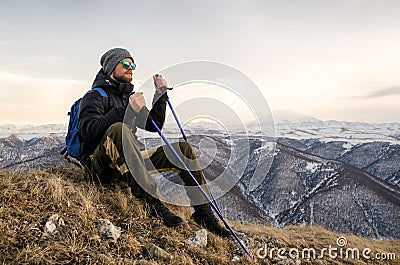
[28, 199]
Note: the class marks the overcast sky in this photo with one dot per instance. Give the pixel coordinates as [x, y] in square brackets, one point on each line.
[328, 59]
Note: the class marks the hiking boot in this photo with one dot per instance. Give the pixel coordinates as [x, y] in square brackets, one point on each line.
[204, 215]
[158, 209]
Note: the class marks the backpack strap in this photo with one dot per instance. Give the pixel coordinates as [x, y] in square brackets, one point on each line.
[101, 91]
[64, 151]
[104, 95]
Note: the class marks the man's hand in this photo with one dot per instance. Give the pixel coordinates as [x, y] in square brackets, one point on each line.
[159, 82]
[137, 101]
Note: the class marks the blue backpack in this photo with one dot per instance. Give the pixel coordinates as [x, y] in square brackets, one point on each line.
[72, 140]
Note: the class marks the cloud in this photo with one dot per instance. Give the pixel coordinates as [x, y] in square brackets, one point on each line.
[387, 91]
[28, 99]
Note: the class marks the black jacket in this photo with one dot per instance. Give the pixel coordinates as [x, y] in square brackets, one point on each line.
[97, 113]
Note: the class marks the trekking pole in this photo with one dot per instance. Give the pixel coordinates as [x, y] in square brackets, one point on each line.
[164, 89]
[177, 120]
[185, 138]
[198, 185]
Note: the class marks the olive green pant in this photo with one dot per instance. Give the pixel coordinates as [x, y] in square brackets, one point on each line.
[118, 145]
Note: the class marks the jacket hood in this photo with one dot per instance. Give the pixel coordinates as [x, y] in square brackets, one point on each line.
[104, 81]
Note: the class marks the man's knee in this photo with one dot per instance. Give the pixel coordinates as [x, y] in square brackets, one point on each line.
[117, 130]
[187, 149]
[121, 136]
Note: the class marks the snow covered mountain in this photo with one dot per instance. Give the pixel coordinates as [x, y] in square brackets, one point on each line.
[287, 124]
[344, 176]
[352, 132]
[28, 131]
[285, 116]
[304, 187]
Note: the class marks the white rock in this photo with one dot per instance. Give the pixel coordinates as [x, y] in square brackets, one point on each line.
[158, 253]
[108, 230]
[198, 239]
[53, 224]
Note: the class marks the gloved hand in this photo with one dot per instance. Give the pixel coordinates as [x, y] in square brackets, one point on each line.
[160, 83]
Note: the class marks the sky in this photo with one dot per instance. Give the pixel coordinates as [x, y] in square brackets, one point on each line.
[333, 60]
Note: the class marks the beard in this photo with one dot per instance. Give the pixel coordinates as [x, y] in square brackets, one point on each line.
[122, 78]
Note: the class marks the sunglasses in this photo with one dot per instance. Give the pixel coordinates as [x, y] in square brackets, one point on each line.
[126, 64]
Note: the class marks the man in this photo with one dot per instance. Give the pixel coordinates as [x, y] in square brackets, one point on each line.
[102, 129]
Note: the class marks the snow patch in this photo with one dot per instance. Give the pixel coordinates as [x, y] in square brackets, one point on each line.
[312, 167]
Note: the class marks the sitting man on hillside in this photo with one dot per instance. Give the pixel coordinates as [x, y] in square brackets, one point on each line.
[102, 127]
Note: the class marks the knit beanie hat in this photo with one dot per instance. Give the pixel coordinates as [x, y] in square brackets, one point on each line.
[112, 57]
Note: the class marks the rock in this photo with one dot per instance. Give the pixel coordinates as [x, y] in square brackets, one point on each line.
[53, 225]
[95, 238]
[235, 259]
[157, 252]
[198, 239]
[128, 191]
[108, 230]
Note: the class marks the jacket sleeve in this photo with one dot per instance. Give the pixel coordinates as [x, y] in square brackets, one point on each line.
[94, 119]
[157, 112]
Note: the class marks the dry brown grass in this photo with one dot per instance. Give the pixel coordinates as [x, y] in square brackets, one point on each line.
[29, 199]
